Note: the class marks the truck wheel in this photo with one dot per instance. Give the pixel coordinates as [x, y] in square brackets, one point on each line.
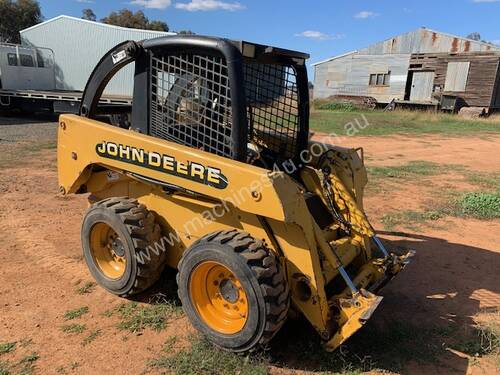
[233, 290]
[116, 233]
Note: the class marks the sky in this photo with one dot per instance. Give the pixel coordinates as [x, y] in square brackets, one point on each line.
[322, 28]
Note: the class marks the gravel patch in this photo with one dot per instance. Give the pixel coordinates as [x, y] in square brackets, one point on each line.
[22, 138]
[19, 129]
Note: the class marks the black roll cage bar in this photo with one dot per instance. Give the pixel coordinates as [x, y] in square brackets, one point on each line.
[233, 52]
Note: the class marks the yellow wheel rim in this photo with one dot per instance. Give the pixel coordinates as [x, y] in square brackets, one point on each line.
[108, 251]
[218, 297]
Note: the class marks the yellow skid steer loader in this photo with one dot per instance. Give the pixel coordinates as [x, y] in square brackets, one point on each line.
[211, 171]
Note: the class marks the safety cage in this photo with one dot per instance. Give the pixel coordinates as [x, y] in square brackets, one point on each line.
[213, 94]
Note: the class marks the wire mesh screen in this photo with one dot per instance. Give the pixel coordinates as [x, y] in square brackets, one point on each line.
[191, 103]
[273, 107]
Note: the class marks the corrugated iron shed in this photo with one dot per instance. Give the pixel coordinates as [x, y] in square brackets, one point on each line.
[351, 73]
[78, 46]
[425, 40]
[422, 40]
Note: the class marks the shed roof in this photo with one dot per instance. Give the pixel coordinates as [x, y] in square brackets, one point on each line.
[422, 40]
[335, 57]
[94, 23]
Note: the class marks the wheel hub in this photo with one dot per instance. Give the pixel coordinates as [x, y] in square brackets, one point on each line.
[118, 248]
[219, 297]
[229, 291]
[108, 251]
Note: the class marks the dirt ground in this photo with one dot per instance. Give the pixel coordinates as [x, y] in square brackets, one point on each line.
[453, 281]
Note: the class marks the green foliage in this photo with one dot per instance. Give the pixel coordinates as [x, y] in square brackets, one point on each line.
[410, 219]
[486, 180]
[73, 328]
[88, 14]
[485, 339]
[91, 337]
[137, 20]
[169, 344]
[16, 16]
[136, 318]
[480, 205]
[203, 358]
[26, 365]
[412, 169]
[7, 347]
[77, 313]
[4, 368]
[87, 288]
[30, 358]
[334, 106]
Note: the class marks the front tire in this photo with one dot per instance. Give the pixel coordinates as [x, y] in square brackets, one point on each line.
[233, 290]
[118, 236]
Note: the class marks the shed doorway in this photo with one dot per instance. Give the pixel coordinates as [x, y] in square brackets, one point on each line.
[422, 85]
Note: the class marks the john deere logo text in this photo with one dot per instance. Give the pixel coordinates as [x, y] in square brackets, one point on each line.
[164, 163]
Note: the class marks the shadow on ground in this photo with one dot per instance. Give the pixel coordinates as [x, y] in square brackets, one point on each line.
[18, 118]
[424, 319]
[426, 310]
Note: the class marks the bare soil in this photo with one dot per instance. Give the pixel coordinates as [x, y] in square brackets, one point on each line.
[478, 153]
[453, 280]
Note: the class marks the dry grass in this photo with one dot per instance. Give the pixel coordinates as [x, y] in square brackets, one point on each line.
[382, 123]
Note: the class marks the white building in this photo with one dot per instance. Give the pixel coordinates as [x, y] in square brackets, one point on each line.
[78, 46]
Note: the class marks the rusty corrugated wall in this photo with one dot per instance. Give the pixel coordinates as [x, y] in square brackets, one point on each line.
[427, 41]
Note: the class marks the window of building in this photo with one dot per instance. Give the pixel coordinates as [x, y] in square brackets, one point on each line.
[457, 75]
[27, 60]
[380, 79]
[12, 57]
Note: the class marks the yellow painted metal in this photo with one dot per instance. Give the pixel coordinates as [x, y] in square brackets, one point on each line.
[249, 187]
[354, 313]
[103, 240]
[224, 312]
[268, 205]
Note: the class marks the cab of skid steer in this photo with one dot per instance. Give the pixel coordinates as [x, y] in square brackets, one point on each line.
[244, 101]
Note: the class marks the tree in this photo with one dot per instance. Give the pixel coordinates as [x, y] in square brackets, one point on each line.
[185, 32]
[16, 16]
[137, 20]
[157, 25]
[474, 36]
[88, 14]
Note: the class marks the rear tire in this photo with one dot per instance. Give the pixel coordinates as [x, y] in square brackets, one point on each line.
[242, 277]
[116, 233]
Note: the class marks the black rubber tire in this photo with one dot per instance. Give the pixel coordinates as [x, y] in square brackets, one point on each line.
[137, 229]
[261, 276]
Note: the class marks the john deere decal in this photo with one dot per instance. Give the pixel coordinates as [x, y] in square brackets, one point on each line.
[163, 163]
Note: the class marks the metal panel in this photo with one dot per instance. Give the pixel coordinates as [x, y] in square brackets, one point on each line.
[427, 41]
[456, 76]
[40, 76]
[422, 85]
[350, 75]
[78, 46]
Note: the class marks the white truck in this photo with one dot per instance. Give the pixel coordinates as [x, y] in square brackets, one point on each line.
[24, 68]
[28, 82]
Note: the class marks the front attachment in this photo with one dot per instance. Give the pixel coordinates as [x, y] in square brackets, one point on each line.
[355, 306]
[354, 313]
